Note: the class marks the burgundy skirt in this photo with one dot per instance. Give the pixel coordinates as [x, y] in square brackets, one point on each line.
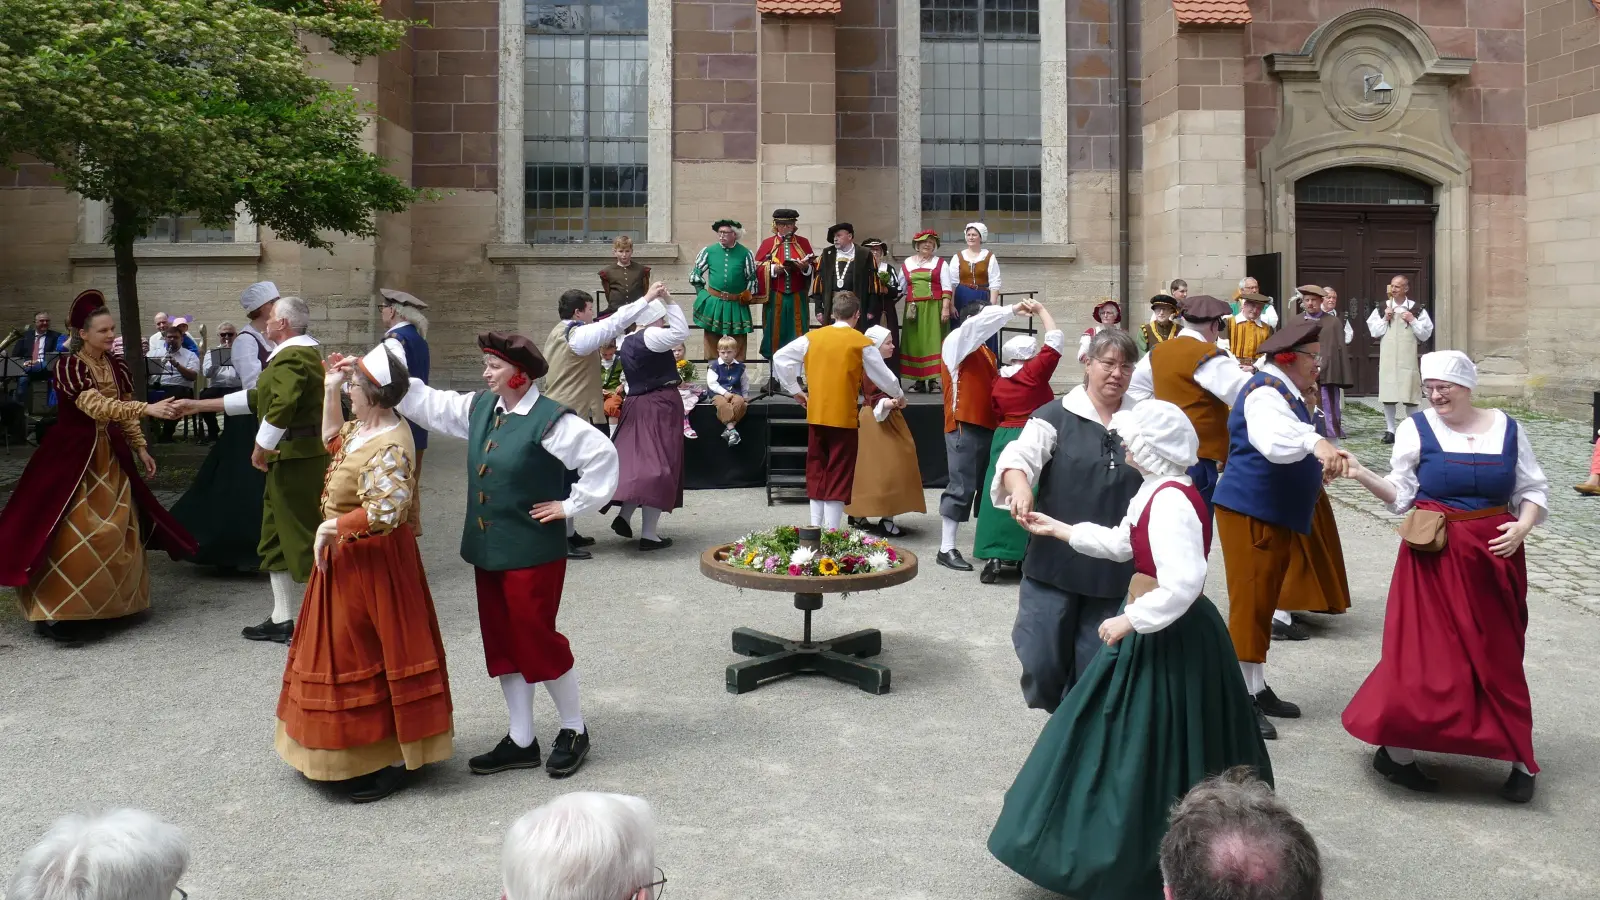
[1450, 679]
[831, 462]
[650, 450]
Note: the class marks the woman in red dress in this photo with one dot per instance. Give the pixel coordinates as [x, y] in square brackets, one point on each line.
[77, 526]
[1450, 679]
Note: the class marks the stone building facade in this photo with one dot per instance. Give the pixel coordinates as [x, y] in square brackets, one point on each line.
[1337, 141]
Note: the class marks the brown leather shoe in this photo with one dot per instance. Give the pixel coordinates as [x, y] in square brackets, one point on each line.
[1587, 489]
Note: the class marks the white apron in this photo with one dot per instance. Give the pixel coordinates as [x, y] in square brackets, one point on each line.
[1398, 379]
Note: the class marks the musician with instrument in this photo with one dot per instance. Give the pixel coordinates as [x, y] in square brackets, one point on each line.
[784, 272]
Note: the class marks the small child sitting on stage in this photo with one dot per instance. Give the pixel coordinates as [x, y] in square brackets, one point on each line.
[611, 383]
[725, 379]
[686, 388]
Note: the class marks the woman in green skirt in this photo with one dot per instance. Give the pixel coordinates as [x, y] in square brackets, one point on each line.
[929, 309]
[1023, 386]
[1161, 708]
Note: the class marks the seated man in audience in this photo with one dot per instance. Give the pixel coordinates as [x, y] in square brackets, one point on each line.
[125, 854]
[583, 844]
[179, 366]
[222, 379]
[31, 349]
[1231, 836]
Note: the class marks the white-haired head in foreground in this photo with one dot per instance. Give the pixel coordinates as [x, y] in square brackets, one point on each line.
[124, 854]
[582, 846]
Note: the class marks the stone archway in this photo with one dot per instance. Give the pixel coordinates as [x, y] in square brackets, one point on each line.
[1329, 120]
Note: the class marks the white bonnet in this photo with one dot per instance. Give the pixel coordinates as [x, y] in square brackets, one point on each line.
[1018, 349]
[375, 365]
[1157, 430]
[877, 334]
[1449, 365]
[983, 230]
[258, 295]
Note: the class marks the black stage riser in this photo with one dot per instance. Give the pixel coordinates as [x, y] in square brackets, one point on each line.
[709, 463]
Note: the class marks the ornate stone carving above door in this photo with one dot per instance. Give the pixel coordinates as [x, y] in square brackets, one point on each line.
[1333, 117]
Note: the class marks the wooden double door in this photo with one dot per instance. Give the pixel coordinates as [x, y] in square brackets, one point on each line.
[1356, 249]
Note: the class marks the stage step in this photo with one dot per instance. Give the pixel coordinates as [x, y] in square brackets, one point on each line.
[786, 479]
[796, 451]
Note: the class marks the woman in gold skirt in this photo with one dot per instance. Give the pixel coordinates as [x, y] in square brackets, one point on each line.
[888, 482]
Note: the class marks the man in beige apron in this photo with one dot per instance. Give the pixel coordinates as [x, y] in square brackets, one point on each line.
[1400, 327]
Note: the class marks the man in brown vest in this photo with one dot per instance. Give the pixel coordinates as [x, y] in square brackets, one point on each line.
[572, 352]
[835, 360]
[1192, 372]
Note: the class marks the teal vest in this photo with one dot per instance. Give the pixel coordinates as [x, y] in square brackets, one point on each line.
[508, 472]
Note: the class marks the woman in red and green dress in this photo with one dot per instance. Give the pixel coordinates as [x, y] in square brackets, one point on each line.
[929, 309]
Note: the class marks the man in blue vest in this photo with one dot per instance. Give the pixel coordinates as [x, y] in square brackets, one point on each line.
[520, 447]
[1277, 464]
[407, 336]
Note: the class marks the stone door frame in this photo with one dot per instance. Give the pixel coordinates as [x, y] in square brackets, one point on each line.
[1319, 129]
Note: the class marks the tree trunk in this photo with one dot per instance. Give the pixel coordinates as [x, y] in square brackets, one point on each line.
[133, 343]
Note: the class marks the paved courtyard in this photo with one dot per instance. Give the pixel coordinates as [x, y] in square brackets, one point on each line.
[803, 789]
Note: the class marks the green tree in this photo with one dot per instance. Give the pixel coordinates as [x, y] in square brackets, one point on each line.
[167, 107]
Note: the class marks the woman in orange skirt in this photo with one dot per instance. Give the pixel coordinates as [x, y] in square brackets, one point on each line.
[365, 695]
[888, 481]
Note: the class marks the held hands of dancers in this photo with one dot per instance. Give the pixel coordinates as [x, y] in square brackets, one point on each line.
[1115, 629]
[260, 457]
[1044, 526]
[1335, 462]
[1019, 493]
[168, 409]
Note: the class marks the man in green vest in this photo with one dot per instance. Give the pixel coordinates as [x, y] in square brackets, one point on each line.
[287, 399]
[521, 446]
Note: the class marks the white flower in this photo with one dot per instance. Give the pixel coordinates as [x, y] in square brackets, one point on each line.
[878, 561]
[802, 556]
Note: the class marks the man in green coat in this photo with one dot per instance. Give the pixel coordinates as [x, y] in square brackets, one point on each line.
[288, 400]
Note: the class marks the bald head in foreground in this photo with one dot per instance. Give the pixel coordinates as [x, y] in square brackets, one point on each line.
[1232, 838]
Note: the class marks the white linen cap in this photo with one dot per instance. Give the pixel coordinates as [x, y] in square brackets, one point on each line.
[983, 230]
[877, 334]
[1018, 348]
[258, 295]
[654, 311]
[1157, 432]
[375, 365]
[1449, 365]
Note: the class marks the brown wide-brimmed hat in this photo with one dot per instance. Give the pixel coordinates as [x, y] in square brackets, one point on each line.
[1261, 299]
[515, 349]
[1296, 334]
[401, 298]
[1311, 290]
[1204, 308]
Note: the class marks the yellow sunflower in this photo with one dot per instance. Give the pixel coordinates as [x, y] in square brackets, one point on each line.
[826, 566]
[750, 558]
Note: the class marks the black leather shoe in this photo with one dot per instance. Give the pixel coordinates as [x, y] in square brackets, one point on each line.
[645, 544]
[621, 527]
[1293, 631]
[1388, 437]
[506, 755]
[578, 540]
[568, 753]
[1518, 787]
[1269, 731]
[578, 553]
[859, 523]
[279, 632]
[1268, 703]
[67, 634]
[991, 572]
[1409, 776]
[952, 559]
[379, 784]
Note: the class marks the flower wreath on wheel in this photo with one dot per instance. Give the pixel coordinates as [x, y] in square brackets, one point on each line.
[842, 552]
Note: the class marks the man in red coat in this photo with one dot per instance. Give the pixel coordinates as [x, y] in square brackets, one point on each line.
[784, 263]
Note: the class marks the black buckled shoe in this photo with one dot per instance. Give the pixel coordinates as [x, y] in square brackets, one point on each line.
[1388, 437]
[1294, 631]
[278, 632]
[1269, 731]
[646, 545]
[952, 559]
[1518, 787]
[990, 573]
[578, 553]
[1409, 776]
[1268, 702]
[578, 540]
[506, 755]
[568, 753]
[379, 784]
[67, 634]
[621, 527]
